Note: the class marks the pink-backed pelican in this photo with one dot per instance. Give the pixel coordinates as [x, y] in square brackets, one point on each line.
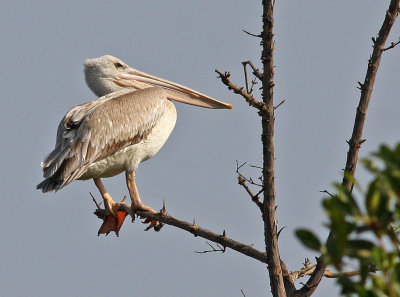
[128, 124]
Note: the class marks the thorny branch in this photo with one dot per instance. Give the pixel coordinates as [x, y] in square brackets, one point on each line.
[225, 78]
[256, 72]
[246, 80]
[280, 282]
[356, 138]
[251, 34]
[366, 91]
[196, 230]
[308, 269]
[327, 192]
[276, 270]
[242, 181]
[392, 45]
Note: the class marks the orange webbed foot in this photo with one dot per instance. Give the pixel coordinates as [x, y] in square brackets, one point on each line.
[113, 218]
[112, 223]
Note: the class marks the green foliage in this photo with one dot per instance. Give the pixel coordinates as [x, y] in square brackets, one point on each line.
[309, 239]
[365, 234]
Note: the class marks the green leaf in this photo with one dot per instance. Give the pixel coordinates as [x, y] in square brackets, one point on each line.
[309, 239]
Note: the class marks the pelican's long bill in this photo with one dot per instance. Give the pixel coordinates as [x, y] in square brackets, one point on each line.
[139, 80]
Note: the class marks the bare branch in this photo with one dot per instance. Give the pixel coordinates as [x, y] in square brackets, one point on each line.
[283, 101]
[326, 192]
[308, 270]
[219, 248]
[95, 202]
[256, 72]
[314, 280]
[242, 181]
[237, 90]
[253, 83]
[356, 137]
[254, 198]
[196, 230]
[366, 90]
[278, 278]
[255, 166]
[251, 34]
[245, 78]
[392, 45]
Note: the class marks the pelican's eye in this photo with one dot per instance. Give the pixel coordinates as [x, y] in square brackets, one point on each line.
[118, 65]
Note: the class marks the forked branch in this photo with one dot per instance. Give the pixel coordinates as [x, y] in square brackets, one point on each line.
[225, 78]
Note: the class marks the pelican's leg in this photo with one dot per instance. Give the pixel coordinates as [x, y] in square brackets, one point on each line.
[136, 202]
[113, 221]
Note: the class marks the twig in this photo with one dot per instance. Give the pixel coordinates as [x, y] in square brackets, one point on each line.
[253, 83]
[95, 202]
[242, 181]
[251, 34]
[275, 107]
[328, 273]
[256, 72]
[219, 248]
[255, 166]
[254, 198]
[245, 78]
[326, 192]
[311, 285]
[246, 81]
[237, 90]
[392, 45]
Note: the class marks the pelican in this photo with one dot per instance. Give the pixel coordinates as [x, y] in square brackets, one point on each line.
[128, 124]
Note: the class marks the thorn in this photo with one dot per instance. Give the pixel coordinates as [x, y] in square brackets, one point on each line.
[224, 234]
[124, 199]
[283, 101]
[279, 232]
[163, 210]
[95, 202]
[195, 227]
[307, 262]
[251, 34]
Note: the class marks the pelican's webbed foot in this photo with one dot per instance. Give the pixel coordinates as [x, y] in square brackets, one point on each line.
[113, 218]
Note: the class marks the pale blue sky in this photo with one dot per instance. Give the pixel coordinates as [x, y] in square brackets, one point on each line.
[49, 244]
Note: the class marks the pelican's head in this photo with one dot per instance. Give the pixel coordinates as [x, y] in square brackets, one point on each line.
[100, 74]
[108, 74]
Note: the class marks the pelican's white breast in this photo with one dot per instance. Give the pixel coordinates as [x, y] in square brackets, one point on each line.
[128, 158]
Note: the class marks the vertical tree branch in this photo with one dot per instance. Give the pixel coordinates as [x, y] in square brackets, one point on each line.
[366, 91]
[270, 227]
[356, 138]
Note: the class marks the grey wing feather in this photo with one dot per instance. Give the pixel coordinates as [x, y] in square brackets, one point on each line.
[91, 131]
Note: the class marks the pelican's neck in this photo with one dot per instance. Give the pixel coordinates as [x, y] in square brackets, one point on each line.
[100, 85]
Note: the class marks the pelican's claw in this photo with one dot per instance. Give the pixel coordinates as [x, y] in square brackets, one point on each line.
[156, 225]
